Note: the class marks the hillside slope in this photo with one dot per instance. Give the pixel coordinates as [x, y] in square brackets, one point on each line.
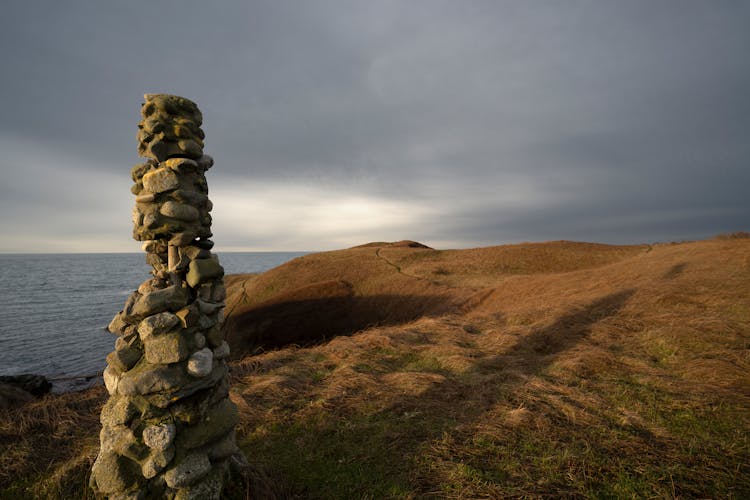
[323, 295]
[557, 369]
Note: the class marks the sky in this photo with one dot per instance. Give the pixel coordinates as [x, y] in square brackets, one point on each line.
[334, 123]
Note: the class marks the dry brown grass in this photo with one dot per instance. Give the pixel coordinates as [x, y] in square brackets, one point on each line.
[604, 371]
[536, 370]
[48, 445]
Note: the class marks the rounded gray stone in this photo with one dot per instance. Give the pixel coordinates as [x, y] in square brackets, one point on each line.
[179, 211]
[201, 363]
[159, 437]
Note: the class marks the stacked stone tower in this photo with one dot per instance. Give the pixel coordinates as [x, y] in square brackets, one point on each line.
[168, 426]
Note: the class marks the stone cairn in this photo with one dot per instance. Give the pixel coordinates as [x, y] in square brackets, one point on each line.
[168, 426]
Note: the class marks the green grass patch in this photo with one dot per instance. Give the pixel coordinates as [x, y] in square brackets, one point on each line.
[325, 457]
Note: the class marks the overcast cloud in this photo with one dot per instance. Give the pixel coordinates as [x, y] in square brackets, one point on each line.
[335, 123]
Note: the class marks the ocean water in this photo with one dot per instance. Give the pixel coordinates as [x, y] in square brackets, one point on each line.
[54, 308]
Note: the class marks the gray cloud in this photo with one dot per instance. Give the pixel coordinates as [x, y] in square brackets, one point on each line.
[491, 121]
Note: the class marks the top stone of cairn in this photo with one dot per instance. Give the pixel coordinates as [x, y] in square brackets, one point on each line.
[170, 128]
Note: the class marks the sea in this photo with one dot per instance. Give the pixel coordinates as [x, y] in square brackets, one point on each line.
[54, 308]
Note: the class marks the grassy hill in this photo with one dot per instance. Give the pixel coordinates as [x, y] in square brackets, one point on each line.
[393, 370]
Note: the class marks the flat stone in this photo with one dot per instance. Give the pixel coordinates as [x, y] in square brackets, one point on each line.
[147, 379]
[202, 270]
[169, 398]
[145, 198]
[200, 363]
[158, 324]
[189, 470]
[166, 348]
[159, 437]
[168, 299]
[179, 211]
[160, 181]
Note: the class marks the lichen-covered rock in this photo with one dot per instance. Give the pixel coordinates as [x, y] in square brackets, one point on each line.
[113, 473]
[118, 411]
[159, 437]
[188, 470]
[157, 324]
[171, 298]
[208, 488]
[148, 379]
[157, 461]
[203, 270]
[160, 181]
[166, 348]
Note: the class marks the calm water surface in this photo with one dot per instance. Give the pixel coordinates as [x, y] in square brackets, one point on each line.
[54, 308]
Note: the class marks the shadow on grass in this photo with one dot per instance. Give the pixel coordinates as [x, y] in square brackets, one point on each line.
[321, 312]
[532, 354]
[371, 452]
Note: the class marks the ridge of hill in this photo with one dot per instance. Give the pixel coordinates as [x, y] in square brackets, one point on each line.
[540, 369]
[320, 296]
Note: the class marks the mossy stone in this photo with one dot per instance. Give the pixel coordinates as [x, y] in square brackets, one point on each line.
[202, 270]
[166, 348]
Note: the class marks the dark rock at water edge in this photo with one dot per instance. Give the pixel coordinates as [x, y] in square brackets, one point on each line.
[36, 385]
